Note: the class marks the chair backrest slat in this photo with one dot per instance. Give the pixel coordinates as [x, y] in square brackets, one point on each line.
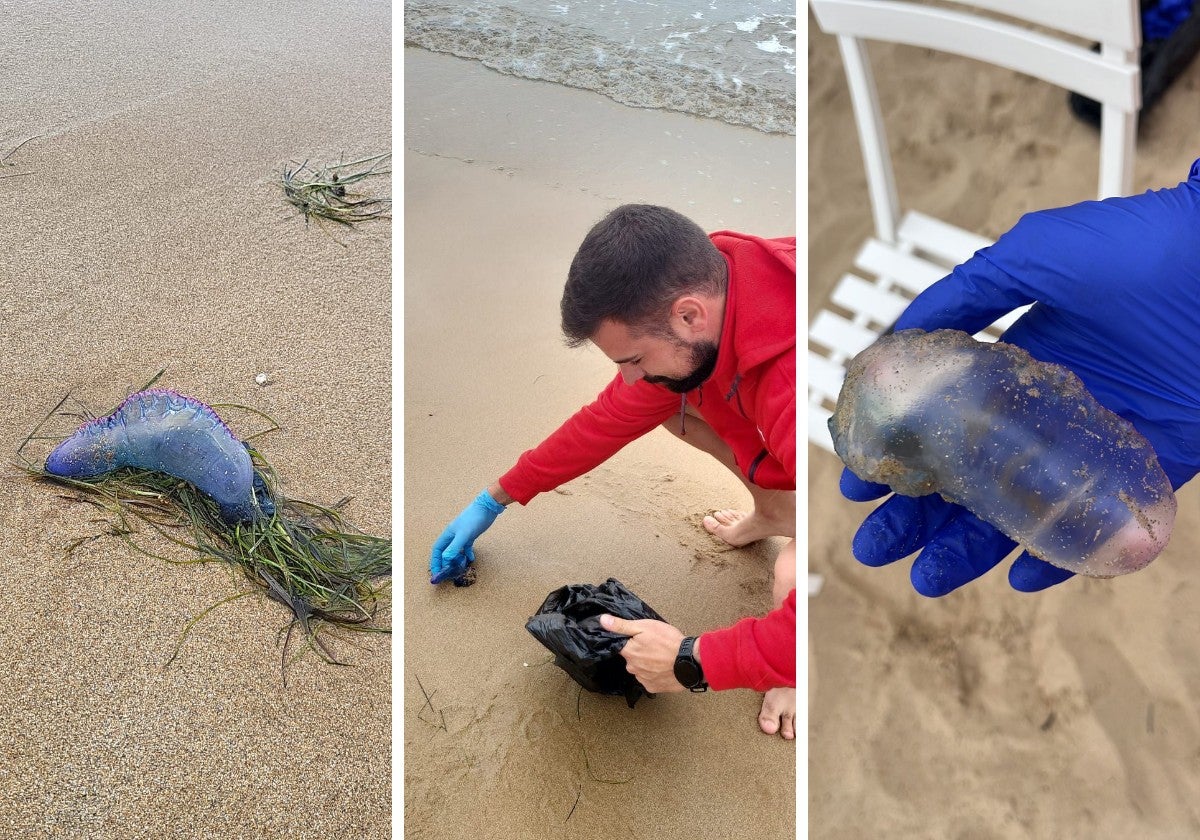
[1051, 59]
[1113, 22]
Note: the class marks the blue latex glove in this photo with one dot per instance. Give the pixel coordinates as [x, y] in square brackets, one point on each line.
[453, 552]
[1117, 286]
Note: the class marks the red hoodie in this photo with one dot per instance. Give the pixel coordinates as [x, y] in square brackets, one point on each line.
[750, 401]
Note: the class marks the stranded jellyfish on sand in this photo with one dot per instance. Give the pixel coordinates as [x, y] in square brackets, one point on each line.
[167, 432]
[168, 462]
[1018, 442]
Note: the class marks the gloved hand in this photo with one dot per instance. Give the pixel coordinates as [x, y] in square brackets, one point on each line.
[1117, 291]
[453, 552]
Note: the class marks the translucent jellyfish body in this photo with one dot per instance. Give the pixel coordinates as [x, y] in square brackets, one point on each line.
[167, 432]
[1018, 442]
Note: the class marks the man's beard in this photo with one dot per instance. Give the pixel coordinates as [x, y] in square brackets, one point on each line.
[704, 357]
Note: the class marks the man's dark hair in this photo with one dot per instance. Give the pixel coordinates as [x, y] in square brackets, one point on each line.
[632, 265]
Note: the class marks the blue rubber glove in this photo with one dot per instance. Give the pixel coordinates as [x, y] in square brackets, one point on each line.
[1117, 291]
[453, 552]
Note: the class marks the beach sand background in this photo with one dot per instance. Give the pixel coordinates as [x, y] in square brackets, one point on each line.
[503, 178]
[989, 713]
[150, 233]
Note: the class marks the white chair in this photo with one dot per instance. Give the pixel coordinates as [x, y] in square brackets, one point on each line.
[910, 252]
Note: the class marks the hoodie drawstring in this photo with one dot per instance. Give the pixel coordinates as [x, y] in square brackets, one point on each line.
[733, 392]
[737, 379]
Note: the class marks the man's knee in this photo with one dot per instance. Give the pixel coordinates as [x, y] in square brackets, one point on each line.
[785, 573]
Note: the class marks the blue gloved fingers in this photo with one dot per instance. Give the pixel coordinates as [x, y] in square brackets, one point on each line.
[964, 549]
[438, 572]
[452, 553]
[444, 565]
[1029, 574]
[959, 547]
[898, 527]
[451, 567]
[435, 557]
[462, 541]
[857, 490]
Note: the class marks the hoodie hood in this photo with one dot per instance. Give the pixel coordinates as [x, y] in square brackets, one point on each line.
[753, 301]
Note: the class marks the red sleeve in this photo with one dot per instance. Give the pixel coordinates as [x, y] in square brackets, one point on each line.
[620, 414]
[776, 398]
[757, 653]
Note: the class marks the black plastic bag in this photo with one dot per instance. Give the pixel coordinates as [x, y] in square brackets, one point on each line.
[568, 623]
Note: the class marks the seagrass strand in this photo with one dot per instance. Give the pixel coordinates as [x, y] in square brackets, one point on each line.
[326, 193]
[328, 574]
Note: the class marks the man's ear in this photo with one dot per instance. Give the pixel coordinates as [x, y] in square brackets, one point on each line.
[689, 315]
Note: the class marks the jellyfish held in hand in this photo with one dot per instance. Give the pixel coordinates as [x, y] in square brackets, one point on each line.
[1018, 442]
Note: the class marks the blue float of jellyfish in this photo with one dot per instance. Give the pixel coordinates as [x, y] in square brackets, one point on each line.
[1018, 442]
[167, 432]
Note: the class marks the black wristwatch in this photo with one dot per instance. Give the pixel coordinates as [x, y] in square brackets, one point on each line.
[687, 667]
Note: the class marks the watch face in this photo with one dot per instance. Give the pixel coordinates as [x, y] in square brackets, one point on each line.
[686, 672]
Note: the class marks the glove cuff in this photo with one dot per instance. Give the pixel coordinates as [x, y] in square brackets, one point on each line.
[488, 503]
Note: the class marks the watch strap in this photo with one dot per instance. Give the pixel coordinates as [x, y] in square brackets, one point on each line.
[685, 654]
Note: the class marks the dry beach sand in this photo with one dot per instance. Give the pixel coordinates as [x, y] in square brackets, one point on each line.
[149, 233]
[503, 177]
[989, 713]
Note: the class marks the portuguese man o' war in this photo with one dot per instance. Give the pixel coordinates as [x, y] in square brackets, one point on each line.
[168, 462]
[1018, 442]
[166, 432]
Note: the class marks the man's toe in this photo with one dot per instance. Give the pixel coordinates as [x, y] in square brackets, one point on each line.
[769, 722]
[789, 727]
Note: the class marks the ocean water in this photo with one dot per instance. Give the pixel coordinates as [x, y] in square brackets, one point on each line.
[731, 60]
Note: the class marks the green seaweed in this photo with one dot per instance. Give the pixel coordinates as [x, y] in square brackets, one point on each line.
[324, 192]
[329, 575]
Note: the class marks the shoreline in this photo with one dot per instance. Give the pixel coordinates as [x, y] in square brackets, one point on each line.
[514, 42]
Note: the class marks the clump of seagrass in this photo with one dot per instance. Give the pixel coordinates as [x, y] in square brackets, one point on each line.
[327, 192]
[330, 576]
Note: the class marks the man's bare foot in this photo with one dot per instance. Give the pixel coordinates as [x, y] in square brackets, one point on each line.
[739, 528]
[779, 712]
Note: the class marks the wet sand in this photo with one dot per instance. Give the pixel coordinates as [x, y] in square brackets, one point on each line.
[150, 233]
[503, 178]
[989, 713]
